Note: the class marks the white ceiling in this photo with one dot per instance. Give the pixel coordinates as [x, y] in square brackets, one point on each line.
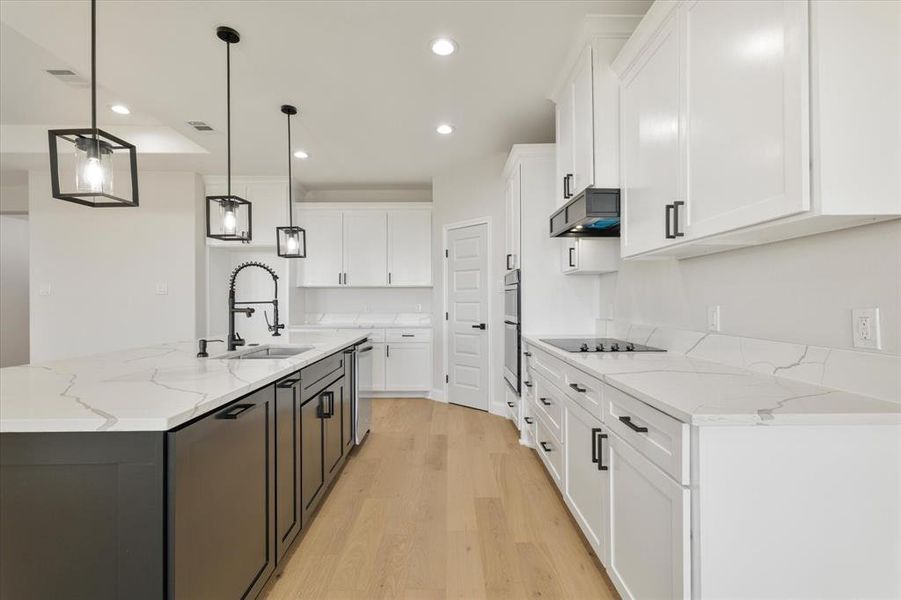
[369, 90]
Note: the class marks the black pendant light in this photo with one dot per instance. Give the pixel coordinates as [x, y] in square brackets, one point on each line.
[291, 240]
[228, 217]
[83, 161]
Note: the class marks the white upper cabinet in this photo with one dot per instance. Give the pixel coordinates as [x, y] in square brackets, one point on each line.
[324, 264]
[650, 142]
[374, 245]
[268, 197]
[366, 248]
[513, 205]
[583, 124]
[410, 247]
[575, 130]
[748, 122]
[564, 123]
[746, 113]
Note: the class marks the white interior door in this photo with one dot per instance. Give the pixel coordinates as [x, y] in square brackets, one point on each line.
[366, 248]
[467, 301]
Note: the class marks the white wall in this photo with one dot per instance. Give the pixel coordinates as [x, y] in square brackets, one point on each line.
[799, 291]
[468, 192]
[94, 272]
[13, 290]
[13, 192]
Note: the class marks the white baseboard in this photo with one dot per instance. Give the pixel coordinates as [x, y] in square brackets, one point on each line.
[438, 396]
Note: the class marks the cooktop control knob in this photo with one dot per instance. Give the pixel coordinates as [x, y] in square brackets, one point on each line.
[583, 348]
[599, 347]
[630, 347]
[614, 347]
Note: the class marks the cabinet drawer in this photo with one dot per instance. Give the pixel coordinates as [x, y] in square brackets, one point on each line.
[512, 402]
[375, 335]
[547, 366]
[313, 377]
[550, 450]
[659, 437]
[409, 335]
[549, 402]
[584, 389]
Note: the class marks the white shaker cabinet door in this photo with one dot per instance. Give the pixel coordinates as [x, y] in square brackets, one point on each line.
[410, 247]
[408, 367]
[366, 248]
[378, 368]
[650, 143]
[564, 117]
[649, 527]
[746, 105]
[587, 475]
[583, 124]
[323, 266]
[514, 219]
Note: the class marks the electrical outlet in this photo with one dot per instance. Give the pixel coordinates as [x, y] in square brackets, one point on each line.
[45, 289]
[365, 308]
[419, 308]
[865, 325]
[713, 318]
[162, 289]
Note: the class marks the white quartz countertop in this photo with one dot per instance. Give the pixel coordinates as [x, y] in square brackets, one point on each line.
[701, 392]
[144, 389]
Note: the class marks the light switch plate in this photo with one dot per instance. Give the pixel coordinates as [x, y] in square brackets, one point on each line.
[865, 327]
[162, 289]
[713, 318]
[45, 289]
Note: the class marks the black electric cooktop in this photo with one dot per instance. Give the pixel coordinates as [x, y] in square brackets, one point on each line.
[598, 345]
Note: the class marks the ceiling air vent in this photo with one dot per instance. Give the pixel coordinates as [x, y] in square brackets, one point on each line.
[69, 77]
[200, 126]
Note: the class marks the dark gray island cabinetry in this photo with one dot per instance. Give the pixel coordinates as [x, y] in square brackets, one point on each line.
[205, 509]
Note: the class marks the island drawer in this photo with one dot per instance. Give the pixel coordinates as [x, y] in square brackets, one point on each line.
[549, 403]
[315, 376]
[659, 437]
[585, 390]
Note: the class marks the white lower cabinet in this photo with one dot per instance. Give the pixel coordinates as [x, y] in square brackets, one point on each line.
[378, 368]
[587, 475]
[649, 525]
[408, 366]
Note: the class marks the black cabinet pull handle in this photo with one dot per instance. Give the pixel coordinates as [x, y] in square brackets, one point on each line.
[545, 401]
[545, 446]
[528, 420]
[572, 263]
[510, 404]
[628, 422]
[286, 383]
[481, 326]
[670, 208]
[676, 205]
[570, 178]
[566, 187]
[578, 388]
[235, 411]
[387, 351]
[527, 354]
[330, 398]
[528, 384]
[408, 335]
[507, 261]
[389, 277]
[366, 349]
[597, 448]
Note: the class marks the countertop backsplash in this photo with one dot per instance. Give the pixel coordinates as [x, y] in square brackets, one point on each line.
[374, 320]
[874, 374]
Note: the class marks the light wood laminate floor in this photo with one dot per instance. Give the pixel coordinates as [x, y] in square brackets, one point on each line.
[441, 502]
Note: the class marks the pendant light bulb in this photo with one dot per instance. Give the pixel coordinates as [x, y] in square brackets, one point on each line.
[229, 219]
[93, 174]
[292, 243]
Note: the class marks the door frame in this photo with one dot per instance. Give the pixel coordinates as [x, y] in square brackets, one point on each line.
[446, 229]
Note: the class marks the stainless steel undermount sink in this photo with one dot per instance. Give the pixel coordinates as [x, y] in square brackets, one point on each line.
[271, 352]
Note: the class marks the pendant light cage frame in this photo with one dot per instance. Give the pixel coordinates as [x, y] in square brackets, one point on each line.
[237, 227]
[88, 157]
[291, 240]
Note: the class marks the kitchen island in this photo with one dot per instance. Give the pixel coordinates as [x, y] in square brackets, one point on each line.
[152, 473]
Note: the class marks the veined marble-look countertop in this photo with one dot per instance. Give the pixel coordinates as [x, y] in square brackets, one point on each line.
[701, 392]
[154, 388]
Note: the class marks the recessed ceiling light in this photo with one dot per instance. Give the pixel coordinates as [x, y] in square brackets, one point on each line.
[120, 109]
[301, 154]
[444, 129]
[444, 46]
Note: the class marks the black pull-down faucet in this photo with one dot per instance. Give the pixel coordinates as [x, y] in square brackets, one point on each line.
[235, 340]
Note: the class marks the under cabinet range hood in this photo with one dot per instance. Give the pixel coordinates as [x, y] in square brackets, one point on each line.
[593, 213]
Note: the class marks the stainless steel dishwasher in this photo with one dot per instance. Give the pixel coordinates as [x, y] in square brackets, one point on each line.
[361, 388]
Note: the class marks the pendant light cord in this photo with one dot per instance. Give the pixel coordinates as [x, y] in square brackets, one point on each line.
[290, 199]
[94, 69]
[228, 111]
